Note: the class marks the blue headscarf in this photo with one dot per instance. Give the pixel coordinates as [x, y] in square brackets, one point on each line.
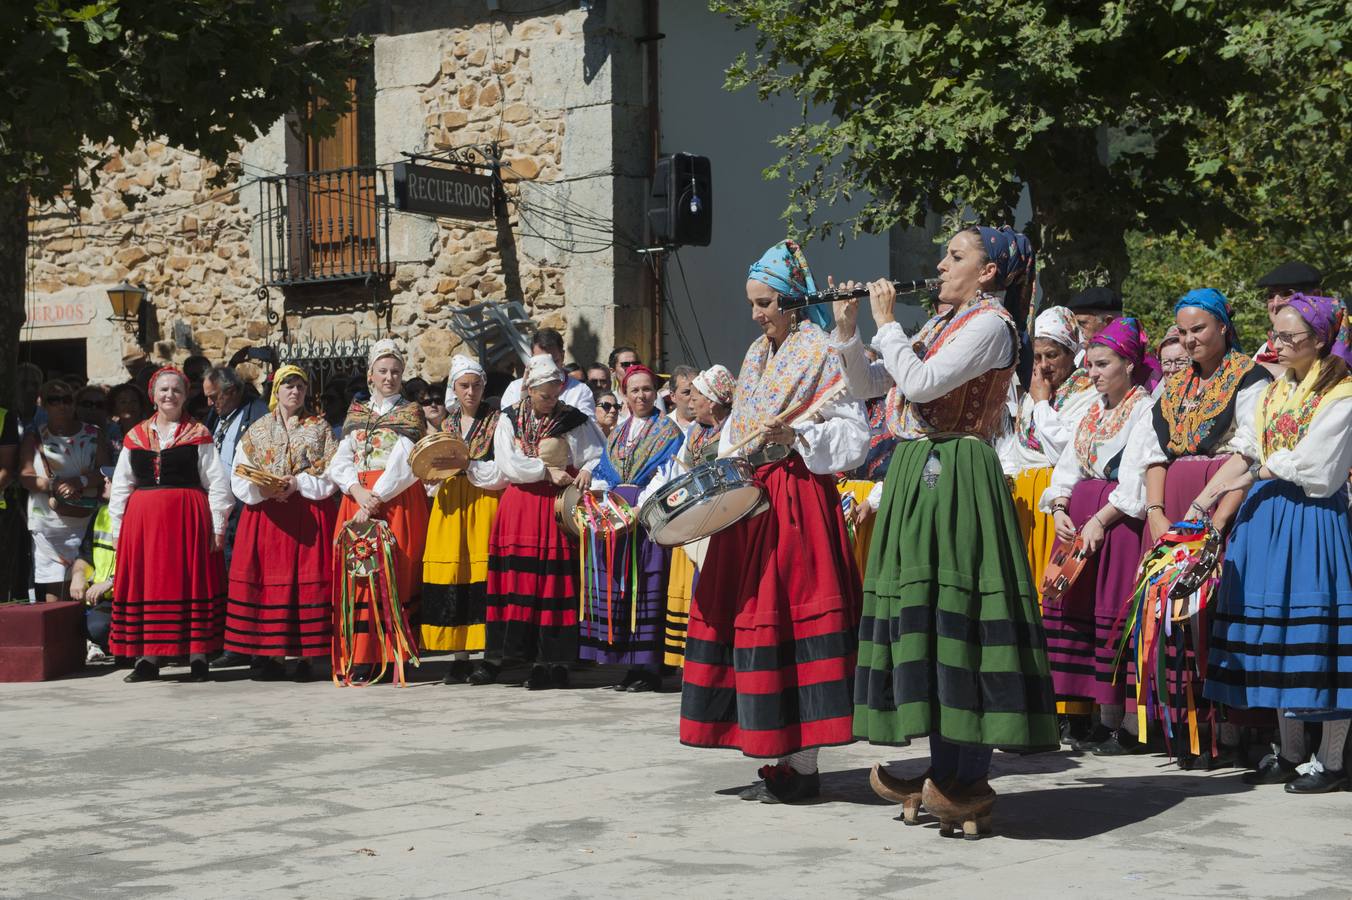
[784, 268]
[1016, 269]
[1212, 301]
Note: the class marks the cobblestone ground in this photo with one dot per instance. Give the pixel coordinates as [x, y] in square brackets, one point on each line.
[246, 789]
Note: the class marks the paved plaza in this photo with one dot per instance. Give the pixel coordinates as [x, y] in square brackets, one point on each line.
[246, 789]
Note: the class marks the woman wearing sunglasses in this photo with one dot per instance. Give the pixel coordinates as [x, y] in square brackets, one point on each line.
[607, 412]
[59, 466]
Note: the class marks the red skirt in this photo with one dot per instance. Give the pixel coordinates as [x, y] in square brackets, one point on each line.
[774, 623]
[532, 581]
[169, 581]
[407, 516]
[281, 571]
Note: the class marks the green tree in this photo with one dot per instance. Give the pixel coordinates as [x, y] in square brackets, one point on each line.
[1116, 117]
[81, 78]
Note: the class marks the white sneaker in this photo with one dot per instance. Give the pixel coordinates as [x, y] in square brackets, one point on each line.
[94, 654]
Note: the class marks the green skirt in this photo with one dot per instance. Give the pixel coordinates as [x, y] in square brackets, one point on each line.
[951, 642]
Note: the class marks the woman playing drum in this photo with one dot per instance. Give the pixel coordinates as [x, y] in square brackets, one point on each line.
[455, 563]
[625, 593]
[770, 650]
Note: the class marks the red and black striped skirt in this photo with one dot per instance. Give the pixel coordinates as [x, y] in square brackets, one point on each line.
[532, 581]
[281, 597]
[770, 649]
[167, 590]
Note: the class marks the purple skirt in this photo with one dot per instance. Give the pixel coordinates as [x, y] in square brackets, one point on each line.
[1081, 638]
[619, 625]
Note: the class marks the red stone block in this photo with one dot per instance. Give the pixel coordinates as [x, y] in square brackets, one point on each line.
[41, 641]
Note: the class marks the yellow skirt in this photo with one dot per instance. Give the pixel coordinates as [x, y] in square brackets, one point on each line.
[862, 533]
[455, 566]
[680, 588]
[1038, 537]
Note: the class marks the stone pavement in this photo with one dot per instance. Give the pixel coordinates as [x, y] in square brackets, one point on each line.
[244, 789]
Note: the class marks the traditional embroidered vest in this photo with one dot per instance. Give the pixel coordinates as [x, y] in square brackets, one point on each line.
[975, 407]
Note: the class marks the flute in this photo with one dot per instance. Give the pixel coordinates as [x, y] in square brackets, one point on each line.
[816, 298]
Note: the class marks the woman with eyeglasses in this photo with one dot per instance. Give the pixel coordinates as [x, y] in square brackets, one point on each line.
[455, 563]
[169, 505]
[1193, 430]
[281, 568]
[59, 467]
[371, 468]
[607, 412]
[626, 628]
[1173, 356]
[1282, 618]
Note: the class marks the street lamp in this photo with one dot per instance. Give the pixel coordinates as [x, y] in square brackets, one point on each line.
[126, 302]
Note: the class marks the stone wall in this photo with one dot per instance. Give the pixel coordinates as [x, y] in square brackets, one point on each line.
[561, 93]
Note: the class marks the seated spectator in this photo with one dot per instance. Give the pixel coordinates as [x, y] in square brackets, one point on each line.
[91, 577]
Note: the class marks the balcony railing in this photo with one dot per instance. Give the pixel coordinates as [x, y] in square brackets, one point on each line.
[325, 226]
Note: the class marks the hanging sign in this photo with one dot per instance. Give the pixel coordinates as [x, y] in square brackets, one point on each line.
[442, 192]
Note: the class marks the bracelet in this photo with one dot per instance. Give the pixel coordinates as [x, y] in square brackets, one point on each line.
[1159, 506]
[1058, 506]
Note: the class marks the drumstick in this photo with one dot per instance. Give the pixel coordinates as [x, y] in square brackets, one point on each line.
[802, 413]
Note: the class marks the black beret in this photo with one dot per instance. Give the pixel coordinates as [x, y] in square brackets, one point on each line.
[1292, 274]
[1096, 298]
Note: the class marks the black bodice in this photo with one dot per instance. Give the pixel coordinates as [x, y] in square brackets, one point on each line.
[177, 467]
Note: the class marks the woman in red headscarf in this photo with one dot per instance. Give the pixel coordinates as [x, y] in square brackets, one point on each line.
[169, 504]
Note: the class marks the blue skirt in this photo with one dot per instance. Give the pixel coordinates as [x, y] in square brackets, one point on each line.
[1282, 625]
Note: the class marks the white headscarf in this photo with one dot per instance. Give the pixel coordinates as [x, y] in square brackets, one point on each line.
[383, 348]
[1056, 323]
[465, 365]
[541, 370]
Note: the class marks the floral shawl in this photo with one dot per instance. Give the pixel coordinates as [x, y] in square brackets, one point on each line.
[189, 433]
[306, 448]
[702, 441]
[480, 437]
[405, 419]
[1079, 380]
[1100, 425]
[531, 429]
[1287, 409]
[636, 463]
[773, 383]
[1193, 414]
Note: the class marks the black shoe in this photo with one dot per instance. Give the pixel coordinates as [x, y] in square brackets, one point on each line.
[1118, 743]
[1098, 735]
[539, 679]
[458, 672]
[792, 788]
[305, 671]
[1272, 770]
[144, 670]
[645, 682]
[558, 676]
[484, 672]
[629, 679]
[1324, 782]
[268, 670]
[232, 660]
[199, 671]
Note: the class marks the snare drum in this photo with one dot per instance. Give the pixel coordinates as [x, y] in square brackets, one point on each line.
[704, 501]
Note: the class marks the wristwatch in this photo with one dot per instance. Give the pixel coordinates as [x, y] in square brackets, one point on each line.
[1254, 467]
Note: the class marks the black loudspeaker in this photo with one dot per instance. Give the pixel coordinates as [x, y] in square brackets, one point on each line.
[681, 202]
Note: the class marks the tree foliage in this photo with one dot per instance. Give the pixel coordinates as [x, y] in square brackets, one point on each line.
[79, 77]
[1196, 117]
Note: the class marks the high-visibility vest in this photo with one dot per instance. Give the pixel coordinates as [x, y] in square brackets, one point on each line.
[105, 549]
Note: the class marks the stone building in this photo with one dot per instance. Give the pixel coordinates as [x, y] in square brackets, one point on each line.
[275, 254]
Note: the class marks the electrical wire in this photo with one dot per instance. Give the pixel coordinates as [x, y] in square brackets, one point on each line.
[690, 302]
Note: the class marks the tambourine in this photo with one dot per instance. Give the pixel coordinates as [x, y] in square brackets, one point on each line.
[1201, 566]
[1063, 568]
[439, 456]
[261, 477]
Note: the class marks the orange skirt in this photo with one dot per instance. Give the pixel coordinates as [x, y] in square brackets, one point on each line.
[407, 516]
